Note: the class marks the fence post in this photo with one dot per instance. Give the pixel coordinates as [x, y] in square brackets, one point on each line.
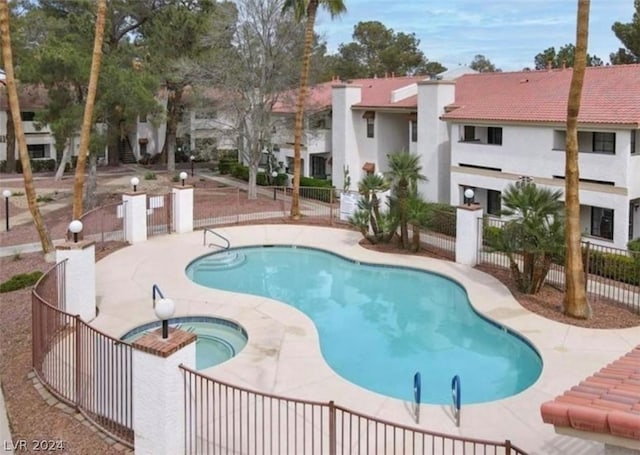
[585, 265]
[158, 391]
[468, 234]
[332, 428]
[78, 364]
[182, 209]
[331, 200]
[507, 447]
[237, 205]
[79, 277]
[135, 208]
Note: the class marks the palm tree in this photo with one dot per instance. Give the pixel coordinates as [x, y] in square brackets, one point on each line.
[404, 171]
[12, 94]
[576, 303]
[533, 236]
[375, 226]
[308, 9]
[87, 120]
[417, 215]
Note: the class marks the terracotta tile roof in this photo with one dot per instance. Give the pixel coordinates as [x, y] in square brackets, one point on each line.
[376, 93]
[607, 402]
[31, 97]
[611, 95]
[318, 99]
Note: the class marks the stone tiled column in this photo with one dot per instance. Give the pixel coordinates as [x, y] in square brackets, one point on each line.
[182, 209]
[80, 277]
[135, 217]
[468, 233]
[158, 391]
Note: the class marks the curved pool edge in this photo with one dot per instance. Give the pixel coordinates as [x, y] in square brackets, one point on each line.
[387, 264]
[125, 277]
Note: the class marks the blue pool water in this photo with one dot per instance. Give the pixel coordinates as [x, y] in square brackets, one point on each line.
[217, 339]
[378, 325]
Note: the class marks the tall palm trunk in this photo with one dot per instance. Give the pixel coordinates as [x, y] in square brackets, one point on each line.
[12, 95]
[403, 194]
[87, 120]
[576, 303]
[302, 98]
[11, 143]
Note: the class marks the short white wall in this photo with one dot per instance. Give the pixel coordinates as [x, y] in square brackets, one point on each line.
[158, 401]
[182, 209]
[468, 233]
[80, 278]
[135, 209]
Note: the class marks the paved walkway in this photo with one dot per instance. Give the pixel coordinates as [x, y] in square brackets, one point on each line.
[283, 355]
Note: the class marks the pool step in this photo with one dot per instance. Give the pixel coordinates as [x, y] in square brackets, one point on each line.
[223, 260]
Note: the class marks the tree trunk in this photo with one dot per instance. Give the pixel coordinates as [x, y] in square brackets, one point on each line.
[416, 237]
[87, 120]
[91, 193]
[12, 95]
[403, 192]
[300, 103]
[66, 157]
[252, 191]
[174, 110]
[576, 304]
[11, 143]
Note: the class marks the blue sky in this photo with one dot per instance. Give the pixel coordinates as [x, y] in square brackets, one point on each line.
[508, 32]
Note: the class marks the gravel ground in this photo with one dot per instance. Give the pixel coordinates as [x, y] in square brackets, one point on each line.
[32, 418]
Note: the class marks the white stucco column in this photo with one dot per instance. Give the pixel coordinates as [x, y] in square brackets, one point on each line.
[182, 209]
[158, 391]
[80, 277]
[468, 233]
[135, 213]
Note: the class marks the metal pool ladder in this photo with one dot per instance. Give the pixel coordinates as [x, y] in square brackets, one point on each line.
[455, 396]
[227, 244]
[417, 386]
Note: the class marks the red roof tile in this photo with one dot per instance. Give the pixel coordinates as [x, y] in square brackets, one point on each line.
[611, 95]
[607, 402]
[318, 98]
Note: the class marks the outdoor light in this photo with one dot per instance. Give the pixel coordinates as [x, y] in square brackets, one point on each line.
[164, 310]
[75, 227]
[274, 174]
[6, 194]
[192, 158]
[468, 196]
[183, 177]
[134, 183]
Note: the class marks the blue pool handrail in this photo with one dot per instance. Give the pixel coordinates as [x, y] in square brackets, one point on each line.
[156, 290]
[417, 389]
[455, 395]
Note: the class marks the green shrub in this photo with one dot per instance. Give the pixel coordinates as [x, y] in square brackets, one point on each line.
[227, 162]
[176, 177]
[240, 171]
[618, 267]
[43, 198]
[281, 180]
[441, 218]
[150, 176]
[634, 245]
[314, 183]
[20, 281]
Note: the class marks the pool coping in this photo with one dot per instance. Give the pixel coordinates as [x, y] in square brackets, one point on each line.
[283, 357]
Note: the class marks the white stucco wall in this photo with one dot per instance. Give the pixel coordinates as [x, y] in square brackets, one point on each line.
[343, 134]
[433, 138]
[392, 135]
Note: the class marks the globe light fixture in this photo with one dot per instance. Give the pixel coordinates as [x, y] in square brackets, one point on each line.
[164, 309]
[468, 196]
[183, 177]
[6, 194]
[135, 181]
[75, 227]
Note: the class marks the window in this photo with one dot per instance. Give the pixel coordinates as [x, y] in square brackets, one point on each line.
[143, 118]
[602, 222]
[370, 127]
[414, 131]
[604, 142]
[27, 116]
[494, 135]
[36, 150]
[634, 142]
[494, 201]
[318, 169]
[469, 133]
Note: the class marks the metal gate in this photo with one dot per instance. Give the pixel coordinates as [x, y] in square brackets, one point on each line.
[159, 214]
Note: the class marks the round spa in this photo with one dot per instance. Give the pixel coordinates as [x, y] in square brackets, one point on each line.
[218, 339]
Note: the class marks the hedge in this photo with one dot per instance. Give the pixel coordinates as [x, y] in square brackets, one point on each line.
[20, 281]
[37, 165]
[618, 267]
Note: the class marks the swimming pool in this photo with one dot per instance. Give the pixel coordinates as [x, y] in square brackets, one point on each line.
[378, 325]
[218, 339]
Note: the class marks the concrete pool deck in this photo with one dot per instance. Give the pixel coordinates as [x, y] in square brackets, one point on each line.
[283, 355]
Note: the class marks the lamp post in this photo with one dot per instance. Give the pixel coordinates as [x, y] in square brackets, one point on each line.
[274, 174]
[134, 183]
[183, 177]
[164, 310]
[468, 196]
[75, 227]
[192, 158]
[6, 194]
